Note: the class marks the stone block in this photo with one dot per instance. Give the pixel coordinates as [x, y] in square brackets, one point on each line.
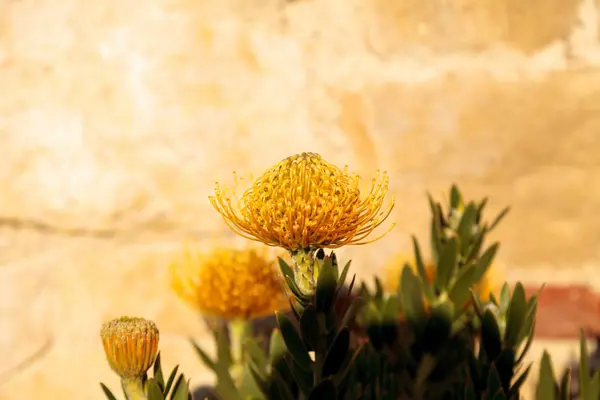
[530, 144]
[444, 26]
[128, 122]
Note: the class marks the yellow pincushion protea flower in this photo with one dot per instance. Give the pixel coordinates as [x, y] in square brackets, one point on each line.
[130, 345]
[491, 283]
[304, 202]
[229, 283]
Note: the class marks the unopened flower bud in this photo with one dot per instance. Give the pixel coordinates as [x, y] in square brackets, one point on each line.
[130, 345]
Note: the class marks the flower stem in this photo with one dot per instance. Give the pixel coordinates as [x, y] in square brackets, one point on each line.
[239, 328]
[306, 270]
[134, 388]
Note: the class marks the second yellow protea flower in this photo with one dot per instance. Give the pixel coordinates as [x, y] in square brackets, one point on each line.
[130, 345]
[304, 202]
[229, 283]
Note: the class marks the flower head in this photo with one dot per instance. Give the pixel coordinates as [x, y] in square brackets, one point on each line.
[305, 202]
[229, 283]
[130, 345]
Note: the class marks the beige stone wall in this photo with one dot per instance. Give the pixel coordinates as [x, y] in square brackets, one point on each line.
[116, 119]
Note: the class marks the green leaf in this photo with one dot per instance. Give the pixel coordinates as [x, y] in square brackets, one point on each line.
[171, 379]
[465, 228]
[494, 385]
[262, 384]
[286, 270]
[447, 265]
[284, 392]
[389, 312]
[256, 355]
[565, 385]
[461, 290]
[584, 379]
[309, 328]
[481, 207]
[515, 316]
[411, 295]
[456, 200]
[157, 374]
[351, 312]
[490, 335]
[529, 326]
[294, 305]
[494, 300]
[546, 387]
[379, 292]
[206, 360]
[484, 262]
[154, 390]
[224, 357]
[351, 285]
[349, 365]
[124, 391]
[248, 385]
[326, 287]
[499, 218]
[303, 378]
[528, 343]
[336, 354]
[344, 274]
[293, 342]
[180, 389]
[505, 365]
[436, 230]
[422, 270]
[518, 383]
[291, 283]
[277, 347]
[107, 392]
[504, 299]
[475, 248]
[324, 391]
[594, 388]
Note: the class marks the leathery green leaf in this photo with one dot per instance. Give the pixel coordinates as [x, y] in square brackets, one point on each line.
[517, 311]
[309, 328]
[336, 354]
[293, 342]
[411, 295]
[546, 388]
[326, 287]
[447, 265]
[153, 390]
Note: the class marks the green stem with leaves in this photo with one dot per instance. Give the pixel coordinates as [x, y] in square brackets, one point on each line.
[134, 388]
[239, 328]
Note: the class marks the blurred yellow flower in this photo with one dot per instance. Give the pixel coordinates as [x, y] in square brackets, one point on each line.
[304, 202]
[130, 345]
[229, 283]
[491, 283]
[393, 270]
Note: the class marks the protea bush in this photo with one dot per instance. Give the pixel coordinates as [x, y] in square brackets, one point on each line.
[440, 324]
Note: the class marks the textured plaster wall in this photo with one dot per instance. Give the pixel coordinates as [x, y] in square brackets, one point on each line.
[116, 118]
